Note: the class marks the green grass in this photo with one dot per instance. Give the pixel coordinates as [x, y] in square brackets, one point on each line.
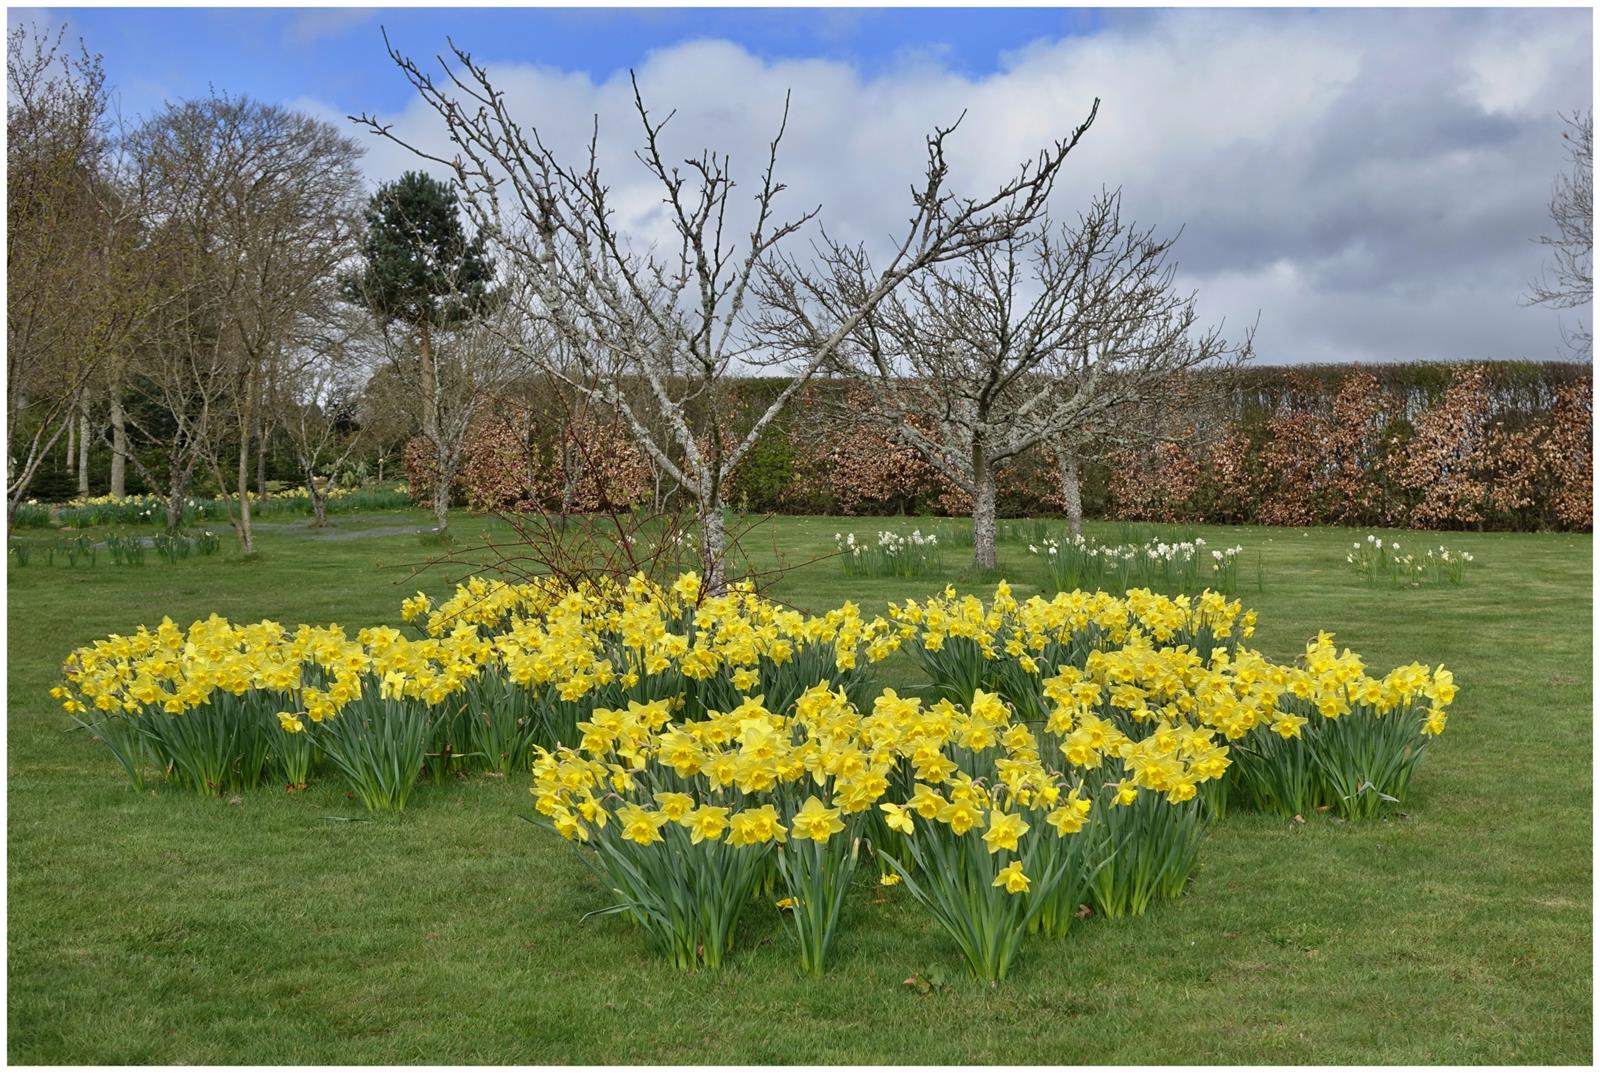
[165, 928]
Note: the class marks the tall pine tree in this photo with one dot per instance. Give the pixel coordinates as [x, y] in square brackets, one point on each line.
[423, 270]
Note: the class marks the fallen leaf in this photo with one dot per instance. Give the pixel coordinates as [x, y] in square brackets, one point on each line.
[1084, 912]
[1299, 818]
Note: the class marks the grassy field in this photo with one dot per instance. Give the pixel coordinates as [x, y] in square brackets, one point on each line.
[165, 928]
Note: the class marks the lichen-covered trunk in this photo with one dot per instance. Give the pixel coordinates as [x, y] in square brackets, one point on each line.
[177, 490]
[441, 497]
[1071, 493]
[316, 494]
[430, 425]
[261, 461]
[713, 546]
[982, 511]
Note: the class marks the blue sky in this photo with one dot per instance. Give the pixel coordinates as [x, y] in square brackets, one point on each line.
[336, 54]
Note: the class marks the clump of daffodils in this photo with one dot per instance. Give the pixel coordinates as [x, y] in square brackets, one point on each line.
[498, 669]
[891, 555]
[1321, 733]
[971, 807]
[1172, 566]
[1380, 561]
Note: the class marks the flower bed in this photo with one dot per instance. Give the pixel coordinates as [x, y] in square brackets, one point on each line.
[703, 751]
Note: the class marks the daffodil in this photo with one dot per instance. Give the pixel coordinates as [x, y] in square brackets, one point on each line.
[897, 817]
[674, 806]
[816, 821]
[707, 823]
[1004, 830]
[1011, 878]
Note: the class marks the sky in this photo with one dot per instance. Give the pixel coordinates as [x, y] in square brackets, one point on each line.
[1366, 185]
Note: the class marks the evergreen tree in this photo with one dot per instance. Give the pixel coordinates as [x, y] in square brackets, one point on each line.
[423, 270]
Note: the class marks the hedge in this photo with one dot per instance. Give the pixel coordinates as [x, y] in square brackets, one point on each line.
[1501, 445]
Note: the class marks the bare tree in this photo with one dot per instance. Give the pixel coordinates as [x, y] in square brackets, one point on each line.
[318, 384]
[420, 268]
[675, 323]
[1568, 280]
[1022, 343]
[250, 209]
[75, 293]
[185, 368]
[387, 415]
[287, 214]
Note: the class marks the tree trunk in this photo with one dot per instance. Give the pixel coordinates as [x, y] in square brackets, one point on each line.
[72, 443]
[175, 496]
[319, 502]
[246, 423]
[1071, 493]
[83, 448]
[713, 547]
[261, 461]
[119, 446]
[982, 511]
[430, 425]
[442, 474]
[430, 386]
[382, 456]
[441, 501]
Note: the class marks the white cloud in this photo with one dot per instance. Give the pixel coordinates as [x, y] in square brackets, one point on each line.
[1370, 181]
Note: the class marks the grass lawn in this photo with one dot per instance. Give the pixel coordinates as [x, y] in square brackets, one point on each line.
[165, 928]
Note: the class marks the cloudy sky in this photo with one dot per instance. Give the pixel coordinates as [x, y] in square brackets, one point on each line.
[1368, 182]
